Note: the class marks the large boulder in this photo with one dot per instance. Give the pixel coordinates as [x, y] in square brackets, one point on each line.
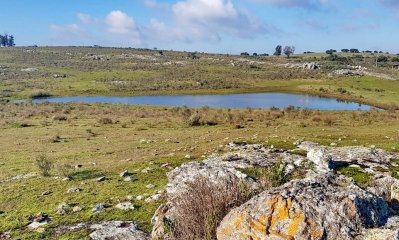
[325, 207]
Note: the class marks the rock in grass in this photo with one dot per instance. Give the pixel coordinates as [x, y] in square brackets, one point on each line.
[39, 219]
[155, 197]
[74, 190]
[46, 193]
[139, 197]
[63, 208]
[77, 209]
[150, 186]
[129, 179]
[124, 174]
[117, 230]
[101, 179]
[125, 206]
[98, 208]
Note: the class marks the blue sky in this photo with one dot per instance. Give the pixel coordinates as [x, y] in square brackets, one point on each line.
[224, 26]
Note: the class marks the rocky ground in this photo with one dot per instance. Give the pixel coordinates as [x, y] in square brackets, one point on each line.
[329, 201]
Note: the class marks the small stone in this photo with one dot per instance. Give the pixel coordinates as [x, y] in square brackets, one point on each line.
[139, 197]
[129, 179]
[39, 219]
[62, 209]
[124, 174]
[187, 157]
[150, 186]
[153, 198]
[46, 193]
[165, 165]
[333, 144]
[101, 179]
[77, 209]
[74, 190]
[125, 206]
[146, 170]
[67, 179]
[130, 197]
[98, 208]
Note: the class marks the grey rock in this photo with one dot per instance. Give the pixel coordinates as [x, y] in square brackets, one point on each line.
[117, 230]
[124, 174]
[99, 207]
[74, 190]
[125, 206]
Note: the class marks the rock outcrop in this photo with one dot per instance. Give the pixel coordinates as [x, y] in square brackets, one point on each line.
[324, 204]
[326, 207]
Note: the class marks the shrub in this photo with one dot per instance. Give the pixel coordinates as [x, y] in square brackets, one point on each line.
[44, 165]
[65, 169]
[60, 118]
[40, 94]
[105, 121]
[204, 206]
[194, 120]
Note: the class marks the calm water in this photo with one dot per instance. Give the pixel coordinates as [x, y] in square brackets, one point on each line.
[252, 100]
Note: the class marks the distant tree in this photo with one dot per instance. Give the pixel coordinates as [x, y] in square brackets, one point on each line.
[354, 50]
[395, 59]
[278, 51]
[264, 55]
[289, 50]
[382, 59]
[375, 51]
[380, 52]
[255, 54]
[160, 52]
[345, 50]
[244, 54]
[331, 51]
[3, 41]
[11, 42]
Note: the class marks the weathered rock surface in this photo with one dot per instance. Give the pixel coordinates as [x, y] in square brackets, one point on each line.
[323, 205]
[326, 207]
[332, 158]
[117, 230]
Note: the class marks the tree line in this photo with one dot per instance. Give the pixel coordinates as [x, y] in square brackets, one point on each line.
[7, 40]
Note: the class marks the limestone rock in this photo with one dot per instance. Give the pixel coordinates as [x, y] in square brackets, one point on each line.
[117, 230]
[125, 206]
[326, 207]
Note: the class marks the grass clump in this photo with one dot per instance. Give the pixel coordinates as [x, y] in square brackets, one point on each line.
[361, 178]
[270, 176]
[204, 207]
[44, 165]
[40, 94]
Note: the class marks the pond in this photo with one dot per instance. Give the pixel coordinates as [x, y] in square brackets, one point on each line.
[250, 100]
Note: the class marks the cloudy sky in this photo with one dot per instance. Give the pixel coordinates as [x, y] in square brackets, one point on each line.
[224, 26]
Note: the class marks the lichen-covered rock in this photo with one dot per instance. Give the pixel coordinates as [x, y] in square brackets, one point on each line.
[326, 207]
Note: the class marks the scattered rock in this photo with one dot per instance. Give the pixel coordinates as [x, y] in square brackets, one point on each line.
[77, 209]
[125, 206]
[129, 179]
[67, 179]
[63, 208]
[98, 208]
[154, 197]
[124, 174]
[74, 190]
[29, 70]
[187, 157]
[56, 75]
[150, 186]
[46, 193]
[117, 230]
[39, 220]
[101, 179]
[139, 197]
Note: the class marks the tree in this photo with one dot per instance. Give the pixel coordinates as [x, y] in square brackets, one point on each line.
[289, 50]
[244, 54]
[345, 50]
[11, 42]
[354, 50]
[278, 50]
[255, 54]
[331, 51]
[382, 59]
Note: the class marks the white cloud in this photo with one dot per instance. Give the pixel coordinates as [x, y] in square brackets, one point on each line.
[66, 29]
[307, 4]
[120, 23]
[84, 18]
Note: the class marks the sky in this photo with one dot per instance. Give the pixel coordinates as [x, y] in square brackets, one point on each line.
[219, 26]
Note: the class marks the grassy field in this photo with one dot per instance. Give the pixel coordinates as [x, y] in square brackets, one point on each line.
[108, 71]
[149, 141]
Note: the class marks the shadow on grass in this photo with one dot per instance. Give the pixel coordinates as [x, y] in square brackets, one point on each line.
[87, 174]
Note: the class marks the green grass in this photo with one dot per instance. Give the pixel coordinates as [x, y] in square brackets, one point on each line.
[359, 176]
